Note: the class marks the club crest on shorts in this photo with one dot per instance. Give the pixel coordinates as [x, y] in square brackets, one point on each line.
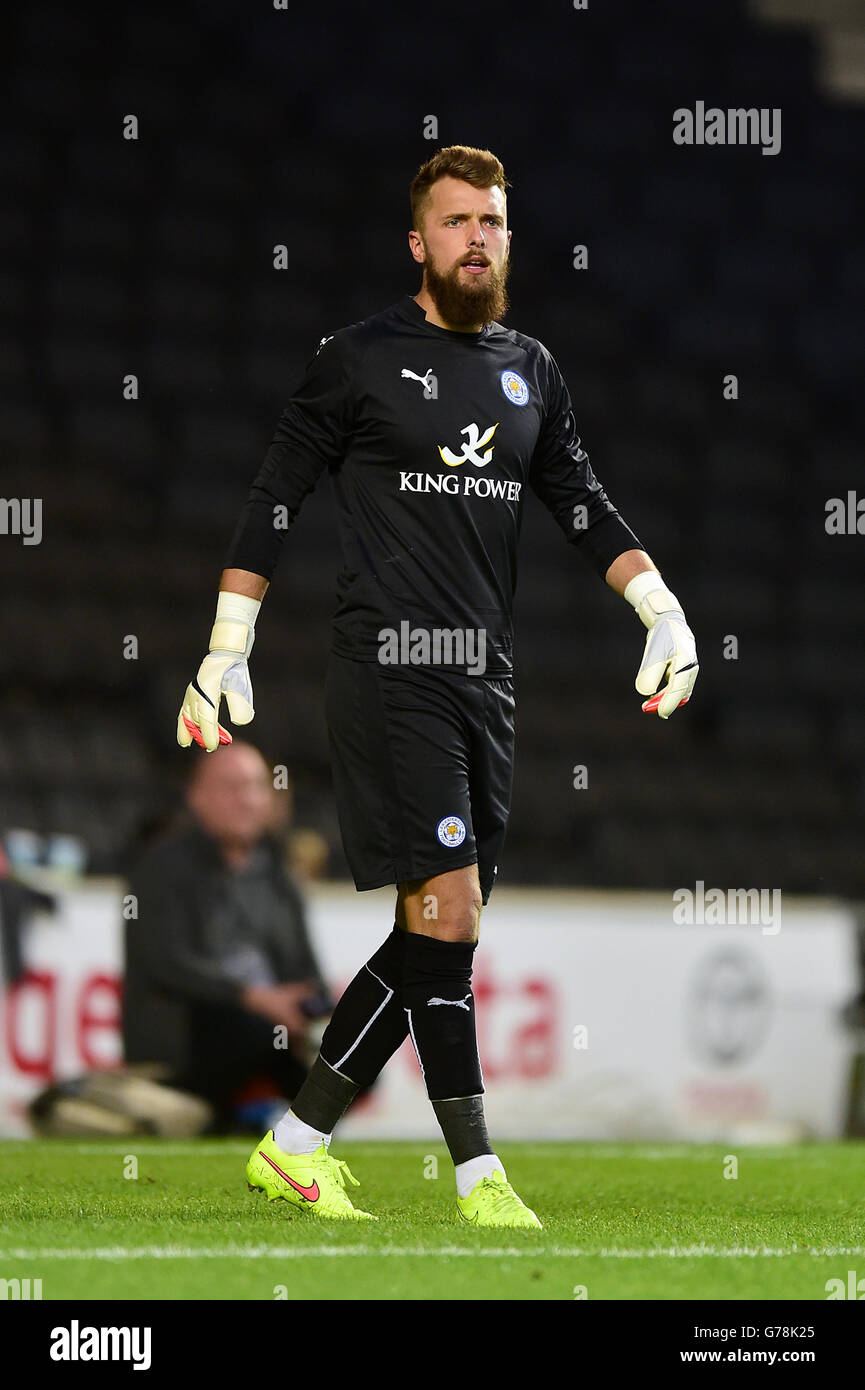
[514, 388]
[451, 831]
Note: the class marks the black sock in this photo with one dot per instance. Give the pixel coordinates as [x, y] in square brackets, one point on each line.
[365, 1030]
[324, 1097]
[438, 1000]
[464, 1127]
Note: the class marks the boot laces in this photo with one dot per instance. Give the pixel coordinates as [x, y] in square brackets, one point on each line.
[502, 1195]
[341, 1171]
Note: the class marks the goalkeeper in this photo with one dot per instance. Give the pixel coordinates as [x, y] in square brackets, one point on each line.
[432, 419]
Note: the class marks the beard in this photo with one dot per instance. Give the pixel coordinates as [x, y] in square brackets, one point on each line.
[463, 300]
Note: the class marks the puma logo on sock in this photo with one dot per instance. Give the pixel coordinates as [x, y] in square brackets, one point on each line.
[457, 1003]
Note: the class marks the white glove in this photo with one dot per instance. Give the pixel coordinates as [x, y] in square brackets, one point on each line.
[222, 672]
[671, 652]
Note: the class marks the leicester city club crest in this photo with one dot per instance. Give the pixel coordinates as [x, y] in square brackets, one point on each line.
[451, 831]
[514, 388]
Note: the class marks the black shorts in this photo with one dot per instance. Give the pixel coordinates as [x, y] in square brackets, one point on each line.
[422, 764]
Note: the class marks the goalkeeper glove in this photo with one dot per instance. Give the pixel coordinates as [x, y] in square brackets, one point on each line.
[222, 672]
[671, 652]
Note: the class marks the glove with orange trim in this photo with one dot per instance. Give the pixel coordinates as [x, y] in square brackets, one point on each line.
[224, 671]
[670, 654]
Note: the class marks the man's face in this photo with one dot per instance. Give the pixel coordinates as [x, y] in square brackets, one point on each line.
[232, 796]
[463, 225]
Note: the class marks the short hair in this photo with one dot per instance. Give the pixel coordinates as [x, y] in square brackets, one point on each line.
[480, 168]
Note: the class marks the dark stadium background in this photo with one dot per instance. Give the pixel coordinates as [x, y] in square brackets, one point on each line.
[304, 127]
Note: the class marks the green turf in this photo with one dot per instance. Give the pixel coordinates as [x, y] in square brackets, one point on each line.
[618, 1220]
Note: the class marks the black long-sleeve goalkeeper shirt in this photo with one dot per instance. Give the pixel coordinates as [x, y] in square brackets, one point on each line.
[430, 437]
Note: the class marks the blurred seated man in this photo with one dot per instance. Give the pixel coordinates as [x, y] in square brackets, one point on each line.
[220, 953]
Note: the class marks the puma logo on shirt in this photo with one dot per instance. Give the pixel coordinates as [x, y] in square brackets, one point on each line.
[457, 1003]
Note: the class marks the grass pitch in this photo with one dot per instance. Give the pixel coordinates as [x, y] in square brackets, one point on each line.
[620, 1222]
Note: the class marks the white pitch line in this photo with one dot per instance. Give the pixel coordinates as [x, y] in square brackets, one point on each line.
[293, 1252]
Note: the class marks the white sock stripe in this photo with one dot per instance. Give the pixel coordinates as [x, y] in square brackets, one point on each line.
[445, 1100]
[333, 1069]
[383, 1005]
[414, 1044]
[478, 1054]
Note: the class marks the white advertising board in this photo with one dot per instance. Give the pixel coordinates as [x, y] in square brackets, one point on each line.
[598, 1016]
